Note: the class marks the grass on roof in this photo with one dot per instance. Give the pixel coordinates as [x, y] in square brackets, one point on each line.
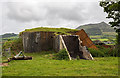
[56, 30]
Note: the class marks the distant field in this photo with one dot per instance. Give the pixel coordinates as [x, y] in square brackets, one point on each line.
[103, 37]
[109, 33]
[96, 37]
[100, 39]
[2, 40]
[104, 40]
[43, 65]
[12, 38]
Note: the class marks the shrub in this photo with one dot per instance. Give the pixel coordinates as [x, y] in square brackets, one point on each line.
[15, 45]
[114, 52]
[96, 53]
[102, 52]
[61, 55]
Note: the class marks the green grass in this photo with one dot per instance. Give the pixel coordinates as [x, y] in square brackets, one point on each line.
[57, 30]
[11, 38]
[95, 37]
[105, 39]
[42, 64]
[100, 39]
[109, 33]
[103, 36]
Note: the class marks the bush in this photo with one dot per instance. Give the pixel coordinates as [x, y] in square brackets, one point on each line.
[103, 52]
[62, 55]
[96, 53]
[114, 52]
[15, 45]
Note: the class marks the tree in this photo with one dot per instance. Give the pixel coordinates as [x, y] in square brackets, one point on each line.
[112, 8]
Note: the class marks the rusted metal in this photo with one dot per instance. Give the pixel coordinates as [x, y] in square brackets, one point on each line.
[86, 41]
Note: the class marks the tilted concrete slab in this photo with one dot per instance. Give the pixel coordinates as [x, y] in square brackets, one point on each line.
[74, 49]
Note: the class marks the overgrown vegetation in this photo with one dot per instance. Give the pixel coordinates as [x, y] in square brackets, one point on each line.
[15, 45]
[112, 8]
[61, 55]
[56, 30]
[104, 52]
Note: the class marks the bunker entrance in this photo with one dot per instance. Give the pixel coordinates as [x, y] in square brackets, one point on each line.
[72, 45]
[74, 48]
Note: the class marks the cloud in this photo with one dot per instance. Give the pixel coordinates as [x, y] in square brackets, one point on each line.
[66, 12]
[26, 12]
[49, 12]
[18, 16]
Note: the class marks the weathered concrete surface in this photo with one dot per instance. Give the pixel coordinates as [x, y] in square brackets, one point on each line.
[75, 49]
[72, 45]
[85, 53]
[46, 41]
[58, 45]
[37, 41]
[41, 41]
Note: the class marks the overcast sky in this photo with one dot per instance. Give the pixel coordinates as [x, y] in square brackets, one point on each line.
[17, 15]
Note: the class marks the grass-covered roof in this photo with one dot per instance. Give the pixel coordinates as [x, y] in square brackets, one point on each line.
[46, 29]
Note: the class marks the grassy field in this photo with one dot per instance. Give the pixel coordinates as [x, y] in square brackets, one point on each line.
[11, 38]
[109, 33]
[43, 65]
[100, 39]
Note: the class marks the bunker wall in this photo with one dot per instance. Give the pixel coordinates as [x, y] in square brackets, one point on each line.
[58, 45]
[38, 41]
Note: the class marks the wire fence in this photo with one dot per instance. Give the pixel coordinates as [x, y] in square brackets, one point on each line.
[6, 53]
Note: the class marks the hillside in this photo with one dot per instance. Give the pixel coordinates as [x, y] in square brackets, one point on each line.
[98, 29]
[7, 35]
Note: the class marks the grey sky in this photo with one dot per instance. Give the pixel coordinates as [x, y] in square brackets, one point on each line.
[18, 15]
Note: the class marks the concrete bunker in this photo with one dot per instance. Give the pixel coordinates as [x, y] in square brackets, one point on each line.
[37, 41]
[46, 40]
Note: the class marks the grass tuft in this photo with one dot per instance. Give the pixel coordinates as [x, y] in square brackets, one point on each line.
[61, 55]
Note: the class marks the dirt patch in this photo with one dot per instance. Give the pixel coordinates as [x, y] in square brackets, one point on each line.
[3, 64]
